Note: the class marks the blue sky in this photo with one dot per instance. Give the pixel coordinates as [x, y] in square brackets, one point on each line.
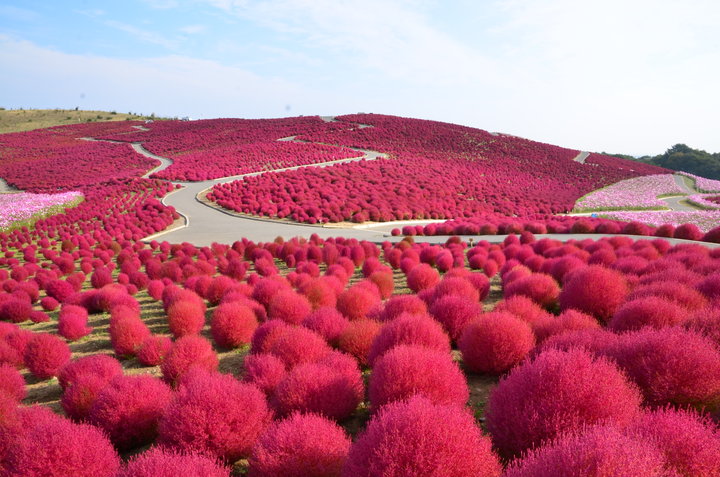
[623, 76]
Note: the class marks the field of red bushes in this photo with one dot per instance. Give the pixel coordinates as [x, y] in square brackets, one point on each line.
[311, 357]
[344, 358]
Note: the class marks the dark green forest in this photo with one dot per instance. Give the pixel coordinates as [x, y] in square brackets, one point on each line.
[683, 158]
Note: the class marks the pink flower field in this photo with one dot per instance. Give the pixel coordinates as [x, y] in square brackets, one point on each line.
[636, 193]
[24, 206]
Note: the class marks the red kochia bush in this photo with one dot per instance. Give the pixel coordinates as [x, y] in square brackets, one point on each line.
[45, 354]
[78, 398]
[598, 450]
[524, 308]
[15, 310]
[153, 350]
[539, 287]
[557, 392]
[403, 371]
[289, 306]
[128, 409]
[455, 286]
[357, 301]
[303, 445]
[419, 330]
[127, 333]
[266, 334]
[333, 389]
[101, 365]
[216, 415]
[422, 276]
[568, 320]
[11, 382]
[649, 311]
[72, 322]
[233, 324]
[59, 290]
[416, 438]
[495, 342]
[399, 304]
[51, 446]
[672, 366]
[357, 339]
[186, 317]
[297, 345]
[595, 290]
[690, 443]
[327, 322]
[159, 462]
[264, 370]
[187, 352]
[454, 313]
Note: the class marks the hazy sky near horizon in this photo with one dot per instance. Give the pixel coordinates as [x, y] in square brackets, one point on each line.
[631, 76]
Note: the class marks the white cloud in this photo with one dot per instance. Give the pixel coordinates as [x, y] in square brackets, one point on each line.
[193, 29]
[143, 35]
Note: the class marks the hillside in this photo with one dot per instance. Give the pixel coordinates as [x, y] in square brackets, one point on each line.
[18, 120]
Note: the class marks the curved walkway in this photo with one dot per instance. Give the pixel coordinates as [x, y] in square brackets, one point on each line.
[581, 157]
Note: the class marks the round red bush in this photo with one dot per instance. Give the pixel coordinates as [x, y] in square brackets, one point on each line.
[454, 313]
[303, 445]
[594, 290]
[104, 366]
[650, 311]
[160, 462]
[400, 304]
[298, 345]
[153, 350]
[319, 292]
[188, 352]
[417, 330]
[357, 339]
[540, 288]
[403, 371]
[59, 290]
[266, 334]
[215, 415]
[568, 320]
[456, 286]
[78, 398]
[72, 322]
[710, 287]
[127, 333]
[672, 366]
[51, 446]
[322, 388]
[264, 370]
[557, 392]
[679, 293]
[688, 232]
[690, 443]
[15, 310]
[524, 308]
[289, 306]
[421, 277]
[186, 317]
[417, 438]
[11, 382]
[356, 302]
[495, 342]
[129, 408]
[45, 354]
[598, 450]
[233, 325]
[328, 323]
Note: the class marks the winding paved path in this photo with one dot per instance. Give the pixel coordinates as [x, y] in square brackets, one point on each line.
[581, 157]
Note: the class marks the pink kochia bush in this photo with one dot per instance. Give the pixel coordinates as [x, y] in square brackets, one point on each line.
[495, 342]
[540, 288]
[188, 352]
[127, 332]
[690, 443]
[650, 311]
[416, 330]
[216, 415]
[11, 382]
[264, 370]
[128, 409]
[159, 462]
[403, 371]
[599, 450]
[358, 300]
[454, 313]
[303, 445]
[45, 354]
[186, 317]
[416, 438]
[595, 290]
[557, 392]
[47, 445]
[672, 366]
[327, 322]
[153, 350]
[233, 325]
[332, 387]
[358, 337]
[421, 277]
[78, 398]
[104, 366]
[72, 322]
[289, 306]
